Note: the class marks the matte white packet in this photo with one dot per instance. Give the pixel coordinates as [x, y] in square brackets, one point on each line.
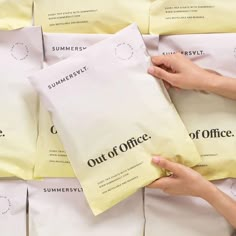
[13, 197]
[58, 207]
[21, 54]
[61, 46]
[52, 160]
[107, 110]
[185, 216]
[210, 119]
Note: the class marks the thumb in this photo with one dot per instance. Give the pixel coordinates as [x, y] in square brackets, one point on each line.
[175, 168]
[161, 183]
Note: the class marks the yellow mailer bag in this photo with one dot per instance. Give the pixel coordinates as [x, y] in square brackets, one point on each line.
[189, 16]
[100, 16]
[112, 116]
[210, 119]
[15, 14]
[51, 159]
[21, 54]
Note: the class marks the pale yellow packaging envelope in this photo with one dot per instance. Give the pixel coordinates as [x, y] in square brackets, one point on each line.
[51, 159]
[210, 119]
[112, 116]
[189, 16]
[100, 16]
[21, 54]
[15, 14]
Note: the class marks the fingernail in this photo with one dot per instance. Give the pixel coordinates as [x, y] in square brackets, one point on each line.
[156, 159]
[151, 70]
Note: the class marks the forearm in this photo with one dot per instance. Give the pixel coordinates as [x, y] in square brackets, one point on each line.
[223, 204]
[222, 86]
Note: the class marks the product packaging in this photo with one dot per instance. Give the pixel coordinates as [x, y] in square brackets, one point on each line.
[15, 14]
[58, 207]
[191, 17]
[112, 117]
[210, 119]
[185, 215]
[52, 160]
[13, 197]
[21, 54]
[100, 16]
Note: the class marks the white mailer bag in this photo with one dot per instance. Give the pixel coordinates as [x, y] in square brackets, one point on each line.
[112, 116]
[185, 216]
[58, 207]
[210, 119]
[52, 160]
[21, 54]
[61, 46]
[13, 197]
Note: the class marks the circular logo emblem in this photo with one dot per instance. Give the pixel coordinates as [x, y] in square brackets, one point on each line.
[19, 51]
[124, 51]
[5, 205]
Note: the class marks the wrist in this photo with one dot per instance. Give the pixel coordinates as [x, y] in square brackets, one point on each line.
[212, 82]
[209, 192]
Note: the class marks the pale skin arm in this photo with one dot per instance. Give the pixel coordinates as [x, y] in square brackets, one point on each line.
[185, 181]
[180, 72]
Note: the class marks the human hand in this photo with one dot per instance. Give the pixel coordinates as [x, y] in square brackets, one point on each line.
[178, 71]
[183, 181]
